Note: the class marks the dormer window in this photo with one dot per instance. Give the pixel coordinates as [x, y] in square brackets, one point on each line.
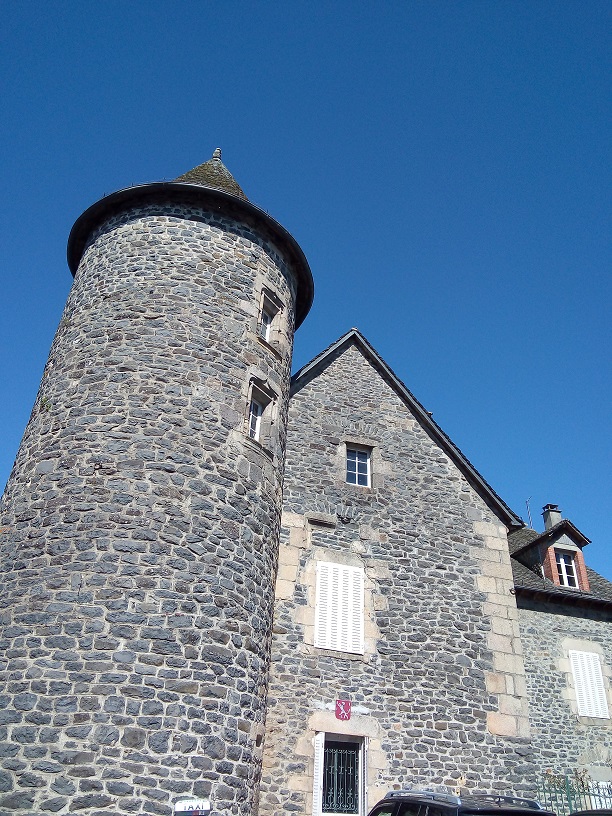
[566, 569]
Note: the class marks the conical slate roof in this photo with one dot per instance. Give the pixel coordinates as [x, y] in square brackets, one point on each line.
[215, 174]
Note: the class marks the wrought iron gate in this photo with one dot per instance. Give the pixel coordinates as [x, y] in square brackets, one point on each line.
[566, 793]
[341, 777]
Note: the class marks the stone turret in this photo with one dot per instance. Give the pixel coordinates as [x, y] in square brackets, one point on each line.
[140, 522]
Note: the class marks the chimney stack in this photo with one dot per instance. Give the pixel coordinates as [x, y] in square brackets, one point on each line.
[552, 515]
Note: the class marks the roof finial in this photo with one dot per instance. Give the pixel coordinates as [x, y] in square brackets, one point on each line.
[217, 153]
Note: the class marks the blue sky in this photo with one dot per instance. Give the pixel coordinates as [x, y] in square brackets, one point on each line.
[444, 166]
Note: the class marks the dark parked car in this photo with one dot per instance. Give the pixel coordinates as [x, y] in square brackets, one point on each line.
[429, 803]
[594, 812]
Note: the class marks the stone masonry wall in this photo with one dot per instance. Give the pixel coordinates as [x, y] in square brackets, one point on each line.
[440, 689]
[563, 741]
[139, 528]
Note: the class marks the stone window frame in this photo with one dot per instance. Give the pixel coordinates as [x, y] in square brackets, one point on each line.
[367, 445]
[320, 740]
[361, 453]
[565, 665]
[261, 396]
[305, 614]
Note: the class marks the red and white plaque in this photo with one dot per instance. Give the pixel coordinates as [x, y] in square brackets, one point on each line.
[343, 709]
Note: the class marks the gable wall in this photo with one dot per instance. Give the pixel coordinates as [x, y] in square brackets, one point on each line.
[440, 688]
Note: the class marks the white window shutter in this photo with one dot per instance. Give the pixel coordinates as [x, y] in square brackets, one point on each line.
[339, 607]
[589, 685]
[322, 604]
[334, 611]
[317, 788]
[363, 809]
[355, 606]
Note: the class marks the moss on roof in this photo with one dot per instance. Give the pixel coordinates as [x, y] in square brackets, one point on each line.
[215, 174]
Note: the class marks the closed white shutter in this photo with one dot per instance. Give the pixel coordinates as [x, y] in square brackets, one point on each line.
[339, 607]
[317, 782]
[363, 788]
[589, 685]
[322, 604]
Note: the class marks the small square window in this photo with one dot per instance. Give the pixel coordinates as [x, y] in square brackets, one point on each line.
[566, 569]
[358, 470]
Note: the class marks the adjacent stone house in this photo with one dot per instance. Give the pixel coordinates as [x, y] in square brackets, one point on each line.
[565, 611]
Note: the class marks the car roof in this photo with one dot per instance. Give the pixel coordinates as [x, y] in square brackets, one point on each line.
[593, 812]
[475, 802]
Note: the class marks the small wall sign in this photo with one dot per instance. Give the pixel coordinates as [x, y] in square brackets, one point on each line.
[343, 709]
[192, 807]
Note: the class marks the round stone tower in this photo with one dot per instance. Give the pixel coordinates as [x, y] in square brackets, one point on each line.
[139, 526]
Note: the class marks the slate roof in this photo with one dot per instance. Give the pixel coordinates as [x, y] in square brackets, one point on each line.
[519, 539]
[527, 537]
[215, 174]
[354, 336]
[210, 185]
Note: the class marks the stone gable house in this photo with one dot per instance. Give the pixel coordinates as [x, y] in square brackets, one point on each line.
[422, 635]
[281, 595]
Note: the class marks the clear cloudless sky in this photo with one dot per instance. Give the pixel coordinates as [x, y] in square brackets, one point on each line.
[444, 166]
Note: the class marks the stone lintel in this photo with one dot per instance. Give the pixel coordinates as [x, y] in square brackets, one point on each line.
[359, 725]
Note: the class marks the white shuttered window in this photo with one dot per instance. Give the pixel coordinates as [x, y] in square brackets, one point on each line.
[339, 607]
[589, 685]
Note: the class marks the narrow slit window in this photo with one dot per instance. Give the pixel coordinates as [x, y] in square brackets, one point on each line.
[260, 413]
[265, 324]
[268, 323]
[255, 413]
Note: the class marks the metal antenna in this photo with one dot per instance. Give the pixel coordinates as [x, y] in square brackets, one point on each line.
[529, 512]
